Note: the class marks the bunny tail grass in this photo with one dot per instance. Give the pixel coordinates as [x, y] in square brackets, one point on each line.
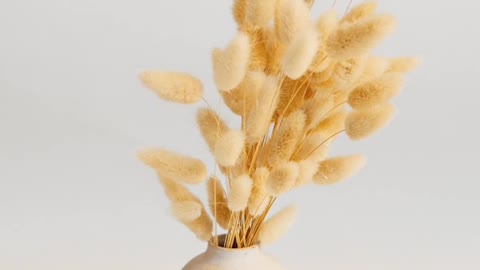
[174, 166]
[172, 86]
[229, 147]
[363, 123]
[282, 179]
[211, 126]
[260, 13]
[376, 92]
[277, 226]
[307, 168]
[291, 18]
[217, 201]
[243, 98]
[258, 199]
[403, 64]
[300, 54]
[360, 12]
[354, 40]
[240, 190]
[231, 64]
[186, 211]
[337, 169]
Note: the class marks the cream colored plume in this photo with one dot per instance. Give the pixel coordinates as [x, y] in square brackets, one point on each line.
[374, 68]
[292, 17]
[307, 169]
[317, 108]
[258, 50]
[217, 200]
[376, 92]
[186, 211]
[282, 179]
[360, 12]
[174, 166]
[347, 72]
[231, 64]
[260, 13]
[300, 54]
[240, 12]
[282, 144]
[259, 198]
[403, 64]
[229, 147]
[173, 86]
[277, 225]
[211, 126]
[326, 24]
[363, 123]
[336, 169]
[258, 120]
[354, 40]
[243, 98]
[202, 226]
[333, 123]
[315, 147]
[240, 190]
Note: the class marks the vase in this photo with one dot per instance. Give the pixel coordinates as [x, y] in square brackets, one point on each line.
[219, 258]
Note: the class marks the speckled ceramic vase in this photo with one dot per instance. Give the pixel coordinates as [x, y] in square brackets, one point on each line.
[218, 258]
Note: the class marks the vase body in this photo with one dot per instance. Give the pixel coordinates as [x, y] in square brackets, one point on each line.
[218, 258]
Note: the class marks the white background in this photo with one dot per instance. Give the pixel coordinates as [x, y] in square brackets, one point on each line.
[72, 115]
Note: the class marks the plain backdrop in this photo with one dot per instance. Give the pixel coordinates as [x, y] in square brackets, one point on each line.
[72, 114]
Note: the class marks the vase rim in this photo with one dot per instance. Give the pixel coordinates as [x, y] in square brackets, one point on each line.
[212, 245]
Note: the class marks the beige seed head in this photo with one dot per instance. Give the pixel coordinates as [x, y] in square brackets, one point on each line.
[333, 123]
[376, 92]
[240, 12]
[258, 200]
[354, 40]
[360, 12]
[186, 211]
[211, 126]
[374, 68]
[258, 50]
[282, 144]
[260, 13]
[292, 17]
[229, 147]
[240, 190]
[217, 200]
[347, 72]
[300, 54]
[277, 226]
[173, 86]
[243, 99]
[282, 179]
[202, 227]
[317, 108]
[337, 169]
[308, 168]
[361, 124]
[403, 64]
[327, 24]
[230, 65]
[174, 166]
[315, 148]
[259, 119]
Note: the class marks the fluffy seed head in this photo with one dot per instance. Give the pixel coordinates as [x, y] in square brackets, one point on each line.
[282, 178]
[217, 200]
[354, 40]
[300, 54]
[277, 226]
[240, 12]
[186, 211]
[360, 12]
[173, 86]
[240, 190]
[374, 68]
[315, 148]
[307, 168]
[243, 99]
[211, 126]
[291, 19]
[174, 166]
[259, 198]
[332, 124]
[260, 117]
[361, 124]
[317, 109]
[337, 169]
[403, 64]
[283, 142]
[230, 65]
[376, 92]
[347, 72]
[258, 50]
[229, 147]
[260, 13]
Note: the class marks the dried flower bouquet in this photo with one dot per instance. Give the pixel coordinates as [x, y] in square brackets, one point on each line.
[297, 85]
